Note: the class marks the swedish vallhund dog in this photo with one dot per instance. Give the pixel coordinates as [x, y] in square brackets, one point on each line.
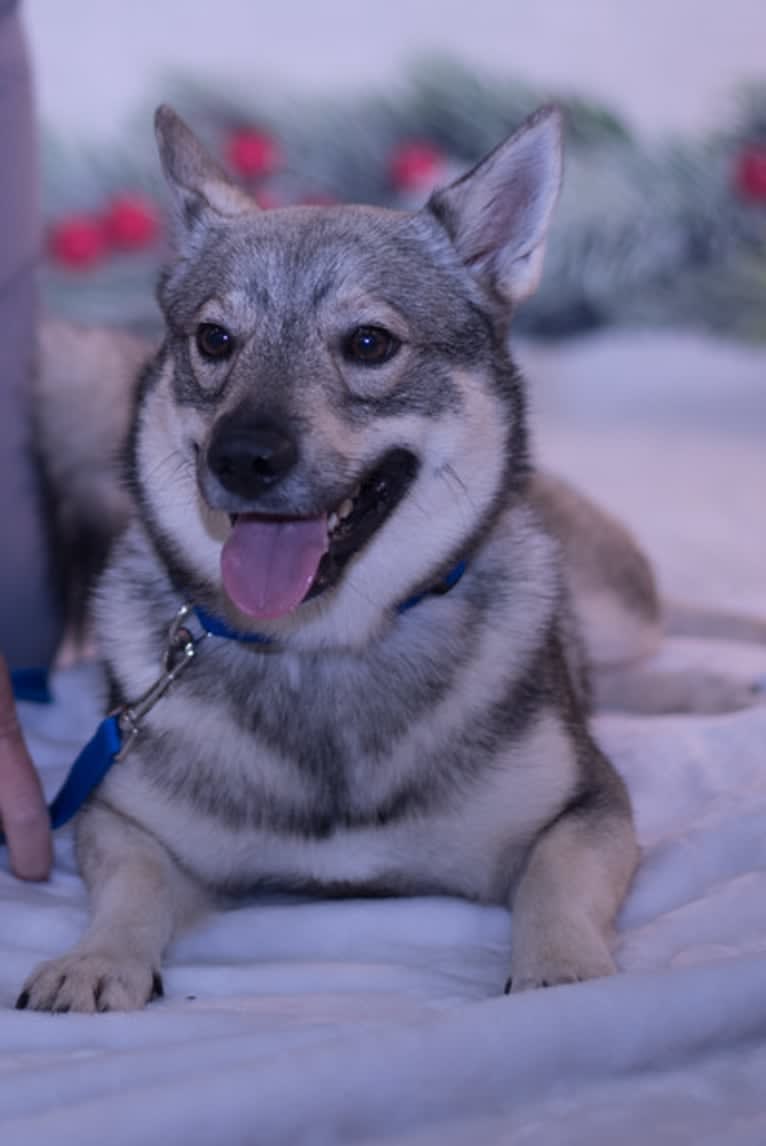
[393, 624]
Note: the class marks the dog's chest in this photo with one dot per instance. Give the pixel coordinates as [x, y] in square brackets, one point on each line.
[303, 744]
[373, 780]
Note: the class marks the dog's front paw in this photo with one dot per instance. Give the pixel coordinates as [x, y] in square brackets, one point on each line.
[550, 962]
[90, 982]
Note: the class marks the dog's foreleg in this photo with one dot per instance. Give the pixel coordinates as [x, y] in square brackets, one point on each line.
[140, 898]
[565, 902]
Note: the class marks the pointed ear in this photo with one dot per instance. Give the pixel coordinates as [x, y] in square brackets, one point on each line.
[498, 214]
[201, 189]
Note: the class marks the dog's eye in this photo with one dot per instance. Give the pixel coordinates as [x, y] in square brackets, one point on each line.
[370, 346]
[214, 341]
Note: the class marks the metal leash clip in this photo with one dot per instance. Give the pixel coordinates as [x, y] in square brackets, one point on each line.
[180, 651]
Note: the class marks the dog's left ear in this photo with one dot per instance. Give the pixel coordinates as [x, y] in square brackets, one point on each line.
[498, 214]
[202, 191]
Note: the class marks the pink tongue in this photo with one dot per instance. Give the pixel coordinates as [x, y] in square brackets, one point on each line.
[268, 566]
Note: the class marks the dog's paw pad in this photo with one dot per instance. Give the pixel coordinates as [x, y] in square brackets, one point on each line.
[88, 983]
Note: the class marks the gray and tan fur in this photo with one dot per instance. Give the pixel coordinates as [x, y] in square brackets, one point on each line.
[442, 751]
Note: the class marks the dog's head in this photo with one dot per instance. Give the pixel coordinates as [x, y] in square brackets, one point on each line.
[334, 417]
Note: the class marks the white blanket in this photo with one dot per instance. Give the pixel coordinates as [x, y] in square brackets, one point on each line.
[381, 1022]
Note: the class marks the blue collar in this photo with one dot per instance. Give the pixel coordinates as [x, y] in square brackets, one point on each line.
[215, 627]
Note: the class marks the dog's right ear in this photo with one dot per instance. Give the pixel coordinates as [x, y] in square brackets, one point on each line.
[202, 191]
[498, 214]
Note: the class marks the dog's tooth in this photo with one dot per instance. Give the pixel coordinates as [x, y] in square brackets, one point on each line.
[332, 521]
[346, 508]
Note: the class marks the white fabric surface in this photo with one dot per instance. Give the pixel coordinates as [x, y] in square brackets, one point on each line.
[380, 1022]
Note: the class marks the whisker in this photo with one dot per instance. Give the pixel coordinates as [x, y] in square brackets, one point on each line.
[175, 455]
[453, 478]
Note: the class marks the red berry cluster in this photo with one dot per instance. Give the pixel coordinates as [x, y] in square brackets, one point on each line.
[129, 223]
[252, 154]
[415, 166]
[255, 157]
[750, 173]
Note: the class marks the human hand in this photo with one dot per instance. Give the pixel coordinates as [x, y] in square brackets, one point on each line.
[23, 813]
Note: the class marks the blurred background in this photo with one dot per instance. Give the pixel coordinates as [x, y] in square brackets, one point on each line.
[645, 344]
[663, 65]
[662, 220]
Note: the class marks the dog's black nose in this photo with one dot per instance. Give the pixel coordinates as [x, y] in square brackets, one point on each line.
[249, 459]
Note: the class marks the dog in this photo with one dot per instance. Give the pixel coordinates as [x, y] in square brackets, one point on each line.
[390, 623]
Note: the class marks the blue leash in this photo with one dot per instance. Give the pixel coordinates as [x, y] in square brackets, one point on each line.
[116, 734]
[92, 764]
[93, 761]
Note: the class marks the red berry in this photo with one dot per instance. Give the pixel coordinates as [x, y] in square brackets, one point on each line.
[750, 173]
[77, 242]
[415, 166]
[131, 222]
[252, 153]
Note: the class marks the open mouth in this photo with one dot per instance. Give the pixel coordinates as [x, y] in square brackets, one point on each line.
[270, 565]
